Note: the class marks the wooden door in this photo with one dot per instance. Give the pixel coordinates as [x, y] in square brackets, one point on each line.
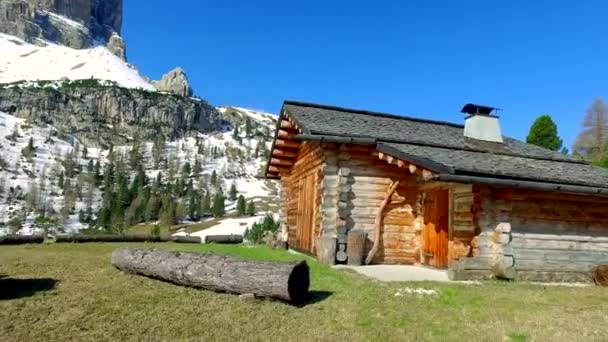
[305, 217]
[435, 231]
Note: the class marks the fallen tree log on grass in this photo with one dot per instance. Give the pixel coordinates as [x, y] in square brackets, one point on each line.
[20, 239]
[224, 239]
[288, 281]
[187, 239]
[83, 238]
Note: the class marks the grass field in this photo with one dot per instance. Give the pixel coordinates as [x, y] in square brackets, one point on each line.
[70, 291]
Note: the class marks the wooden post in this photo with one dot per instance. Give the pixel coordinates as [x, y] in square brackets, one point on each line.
[326, 250]
[378, 222]
[356, 246]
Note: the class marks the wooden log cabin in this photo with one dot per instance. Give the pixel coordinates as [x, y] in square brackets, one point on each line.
[445, 195]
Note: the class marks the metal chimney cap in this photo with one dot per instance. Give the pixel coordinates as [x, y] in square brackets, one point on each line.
[475, 109]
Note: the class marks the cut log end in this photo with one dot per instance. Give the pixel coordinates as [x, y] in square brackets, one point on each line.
[601, 275]
[298, 283]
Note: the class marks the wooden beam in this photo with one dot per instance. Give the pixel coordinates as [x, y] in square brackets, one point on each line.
[283, 153]
[378, 222]
[412, 168]
[401, 163]
[389, 159]
[284, 134]
[381, 155]
[287, 124]
[287, 143]
[278, 169]
[277, 161]
[427, 175]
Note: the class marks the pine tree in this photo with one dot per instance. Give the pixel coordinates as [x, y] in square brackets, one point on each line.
[251, 208]
[241, 206]
[218, 209]
[29, 151]
[89, 215]
[248, 128]
[69, 164]
[205, 205]
[190, 188]
[135, 157]
[136, 211]
[153, 208]
[60, 180]
[97, 173]
[90, 167]
[233, 192]
[139, 181]
[14, 134]
[186, 169]
[194, 208]
[104, 218]
[181, 211]
[168, 216]
[235, 133]
[82, 216]
[197, 168]
[256, 152]
[213, 178]
[543, 133]
[69, 199]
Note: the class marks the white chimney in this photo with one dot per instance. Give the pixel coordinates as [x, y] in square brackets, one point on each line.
[481, 124]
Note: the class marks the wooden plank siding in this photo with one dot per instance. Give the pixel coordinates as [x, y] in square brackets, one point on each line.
[300, 194]
[546, 236]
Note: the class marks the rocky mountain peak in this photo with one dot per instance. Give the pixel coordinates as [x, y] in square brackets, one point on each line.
[175, 81]
[77, 24]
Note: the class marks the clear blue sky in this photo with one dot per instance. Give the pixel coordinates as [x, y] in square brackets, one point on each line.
[421, 58]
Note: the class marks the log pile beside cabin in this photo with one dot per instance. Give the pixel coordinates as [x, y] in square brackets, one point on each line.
[438, 194]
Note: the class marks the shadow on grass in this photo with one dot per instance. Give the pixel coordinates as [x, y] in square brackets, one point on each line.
[11, 288]
[315, 297]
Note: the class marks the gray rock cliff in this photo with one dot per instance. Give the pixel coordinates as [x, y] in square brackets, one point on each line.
[103, 114]
[74, 23]
[175, 81]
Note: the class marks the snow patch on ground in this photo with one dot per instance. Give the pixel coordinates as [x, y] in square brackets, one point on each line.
[229, 226]
[417, 291]
[23, 61]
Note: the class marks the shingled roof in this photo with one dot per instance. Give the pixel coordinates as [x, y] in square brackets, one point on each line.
[443, 148]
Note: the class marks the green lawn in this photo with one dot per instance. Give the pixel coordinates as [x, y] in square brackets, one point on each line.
[70, 291]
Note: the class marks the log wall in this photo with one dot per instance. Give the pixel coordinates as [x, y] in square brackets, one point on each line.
[533, 235]
[362, 182]
[309, 164]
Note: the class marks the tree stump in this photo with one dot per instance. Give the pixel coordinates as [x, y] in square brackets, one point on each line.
[356, 247]
[288, 281]
[600, 275]
[326, 250]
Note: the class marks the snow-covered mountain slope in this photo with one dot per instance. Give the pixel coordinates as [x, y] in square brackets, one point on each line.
[23, 61]
[31, 183]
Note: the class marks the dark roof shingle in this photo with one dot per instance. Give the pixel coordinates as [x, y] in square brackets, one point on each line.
[444, 144]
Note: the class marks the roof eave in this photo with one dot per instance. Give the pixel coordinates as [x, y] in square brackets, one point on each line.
[522, 184]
